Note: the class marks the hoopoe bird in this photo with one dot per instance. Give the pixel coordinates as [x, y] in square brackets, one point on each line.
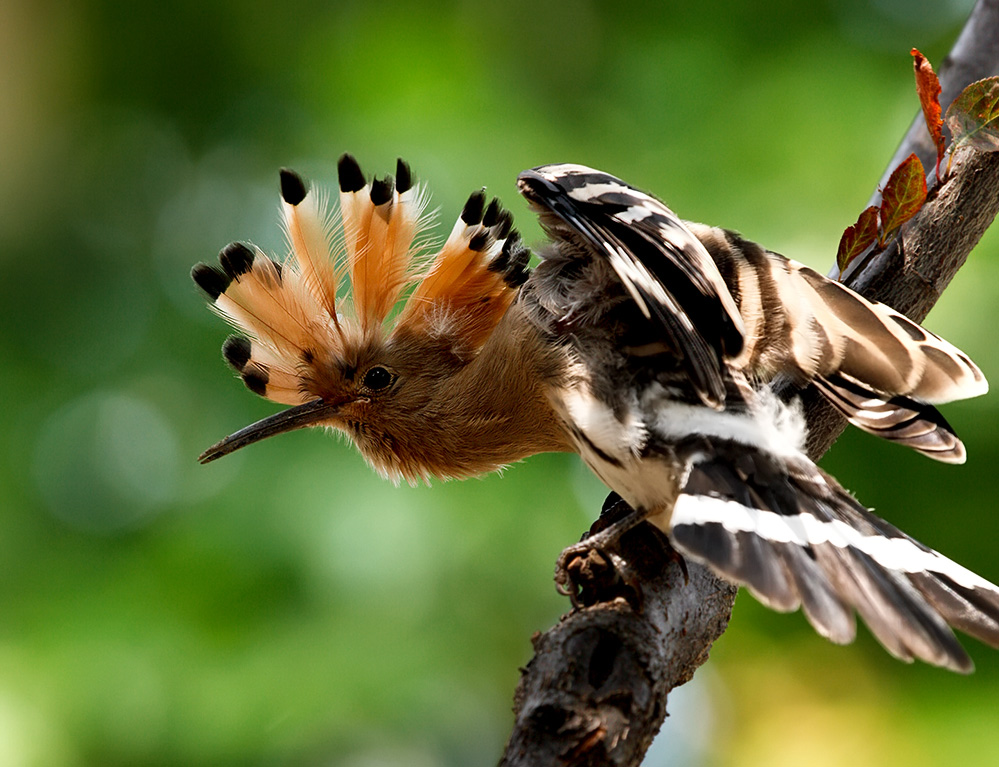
[642, 342]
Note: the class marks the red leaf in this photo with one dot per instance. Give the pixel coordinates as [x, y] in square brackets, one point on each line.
[903, 196]
[973, 118]
[857, 238]
[928, 88]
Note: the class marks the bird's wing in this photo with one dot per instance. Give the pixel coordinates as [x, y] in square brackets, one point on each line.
[795, 537]
[665, 269]
[884, 372]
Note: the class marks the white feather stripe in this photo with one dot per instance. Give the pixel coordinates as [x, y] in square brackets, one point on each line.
[632, 273]
[772, 426]
[830, 323]
[866, 345]
[651, 217]
[633, 214]
[460, 234]
[598, 189]
[674, 231]
[799, 319]
[751, 310]
[597, 421]
[882, 413]
[960, 378]
[554, 172]
[939, 384]
[899, 554]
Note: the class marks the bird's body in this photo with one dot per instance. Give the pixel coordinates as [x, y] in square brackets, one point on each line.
[643, 343]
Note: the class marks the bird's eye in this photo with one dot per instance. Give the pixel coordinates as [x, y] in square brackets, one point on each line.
[378, 378]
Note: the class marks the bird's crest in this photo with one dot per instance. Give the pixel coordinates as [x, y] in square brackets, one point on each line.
[297, 317]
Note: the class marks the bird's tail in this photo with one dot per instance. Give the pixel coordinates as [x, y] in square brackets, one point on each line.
[794, 537]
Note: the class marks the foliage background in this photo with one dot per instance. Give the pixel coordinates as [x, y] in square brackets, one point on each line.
[286, 607]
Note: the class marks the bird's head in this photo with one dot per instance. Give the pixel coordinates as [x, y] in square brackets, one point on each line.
[371, 362]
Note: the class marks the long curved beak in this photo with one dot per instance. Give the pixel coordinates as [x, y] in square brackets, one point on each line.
[297, 417]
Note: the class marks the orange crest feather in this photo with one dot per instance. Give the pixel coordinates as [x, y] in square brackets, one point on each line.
[290, 313]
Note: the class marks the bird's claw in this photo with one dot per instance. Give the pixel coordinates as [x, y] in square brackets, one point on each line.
[588, 572]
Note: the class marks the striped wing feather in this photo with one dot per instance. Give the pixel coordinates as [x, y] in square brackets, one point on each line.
[751, 505]
[885, 349]
[883, 371]
[897, 419]
[886, 372]
[794, 537]
[665, 269]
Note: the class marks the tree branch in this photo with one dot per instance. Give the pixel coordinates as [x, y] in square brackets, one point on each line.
[596, 690]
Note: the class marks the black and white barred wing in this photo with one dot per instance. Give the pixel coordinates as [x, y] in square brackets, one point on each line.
[663, 267]
[794, 537]
[884, 372]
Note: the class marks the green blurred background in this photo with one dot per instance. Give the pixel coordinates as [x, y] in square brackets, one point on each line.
[285, 606]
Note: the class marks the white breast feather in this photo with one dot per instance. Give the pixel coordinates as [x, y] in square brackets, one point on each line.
[621, 439]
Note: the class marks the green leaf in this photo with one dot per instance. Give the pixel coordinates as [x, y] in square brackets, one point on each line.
[903, 195]
[973, 118]
[857, 238]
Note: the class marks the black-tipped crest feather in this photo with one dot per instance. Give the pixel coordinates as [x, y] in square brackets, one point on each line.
[350, 176]
[236, 259]
[403, 176]
[293, 189]
[471, 214]
[381, 190]
[211, 280]
[236, 351]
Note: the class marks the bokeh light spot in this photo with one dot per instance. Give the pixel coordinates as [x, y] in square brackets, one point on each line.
[106, 461]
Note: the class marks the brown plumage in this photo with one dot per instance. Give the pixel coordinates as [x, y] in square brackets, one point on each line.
[425, 394]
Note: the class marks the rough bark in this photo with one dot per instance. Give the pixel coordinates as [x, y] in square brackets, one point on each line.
[596, 690]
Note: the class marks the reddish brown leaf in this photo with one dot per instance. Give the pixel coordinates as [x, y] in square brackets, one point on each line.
[928, 88]
[903, 196]
[973, 118]
[857, 238]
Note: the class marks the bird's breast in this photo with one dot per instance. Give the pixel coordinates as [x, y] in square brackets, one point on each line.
[613, 442]
[633, 444]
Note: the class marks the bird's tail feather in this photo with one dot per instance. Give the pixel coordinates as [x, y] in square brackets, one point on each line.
[794, 537]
